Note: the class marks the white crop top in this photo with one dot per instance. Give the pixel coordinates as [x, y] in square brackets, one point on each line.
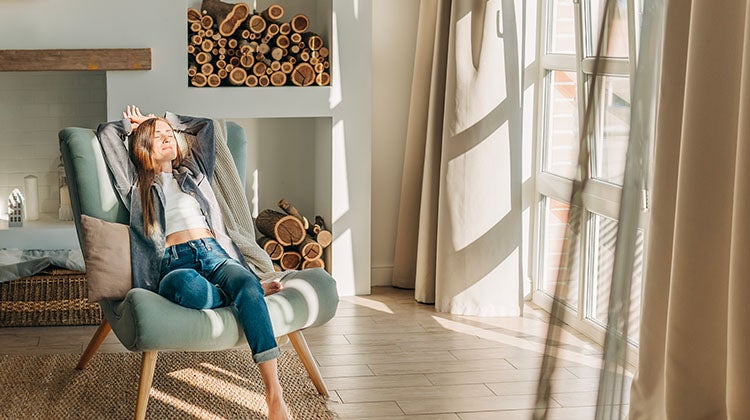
[181, 210]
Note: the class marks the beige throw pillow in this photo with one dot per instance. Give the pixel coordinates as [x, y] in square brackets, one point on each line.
[107, 256]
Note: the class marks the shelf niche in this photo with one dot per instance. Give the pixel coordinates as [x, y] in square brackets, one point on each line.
[319, 14]
[290, 158]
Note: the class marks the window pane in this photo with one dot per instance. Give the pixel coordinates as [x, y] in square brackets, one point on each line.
[562, 39]
[616, 32]
[561, 135]
[553, 270]
[603, 234]
[634, 317]
[612, 132]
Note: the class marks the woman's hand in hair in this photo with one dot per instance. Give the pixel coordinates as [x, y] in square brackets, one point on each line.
[133, 114]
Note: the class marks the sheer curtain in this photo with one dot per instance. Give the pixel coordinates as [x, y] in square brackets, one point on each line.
[458, 239]
[695, 323]
[695, 331]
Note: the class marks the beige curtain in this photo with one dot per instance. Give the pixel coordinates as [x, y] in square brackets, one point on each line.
[459, 229]
[694, 356]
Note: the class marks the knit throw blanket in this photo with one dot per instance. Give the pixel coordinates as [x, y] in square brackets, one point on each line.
[235, 210]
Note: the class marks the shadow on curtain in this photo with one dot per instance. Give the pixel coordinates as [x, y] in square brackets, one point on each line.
[458, 241]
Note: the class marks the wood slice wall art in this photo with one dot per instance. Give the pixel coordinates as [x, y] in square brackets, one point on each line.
[229, 44]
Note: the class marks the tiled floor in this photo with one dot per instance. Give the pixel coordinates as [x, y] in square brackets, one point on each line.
[386, 357]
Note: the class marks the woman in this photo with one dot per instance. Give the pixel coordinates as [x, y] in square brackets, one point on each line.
[178, 205]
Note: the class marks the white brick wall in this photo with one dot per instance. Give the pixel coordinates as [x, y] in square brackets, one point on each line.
[34, 106]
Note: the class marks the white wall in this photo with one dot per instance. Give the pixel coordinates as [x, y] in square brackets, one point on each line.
[161, 26]
[33, 107]
[394, 28]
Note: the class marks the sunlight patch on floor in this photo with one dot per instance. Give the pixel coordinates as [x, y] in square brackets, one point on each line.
[182, 405]
[218, 387]
[521, 343]
[225, 372]
[369, 303]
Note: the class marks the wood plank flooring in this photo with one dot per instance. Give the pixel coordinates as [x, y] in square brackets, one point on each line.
[385, 356]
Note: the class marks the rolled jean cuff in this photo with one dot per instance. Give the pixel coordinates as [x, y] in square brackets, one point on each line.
[267, 355]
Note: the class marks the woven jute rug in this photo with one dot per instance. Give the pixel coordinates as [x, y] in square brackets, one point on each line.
[54, 297]
[197, 385]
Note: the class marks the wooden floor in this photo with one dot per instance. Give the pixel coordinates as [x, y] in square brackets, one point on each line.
[385, 356]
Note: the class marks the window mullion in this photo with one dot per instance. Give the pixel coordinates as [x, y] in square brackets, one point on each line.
[608, 66]
[565, 62]
[588, 263]
[554, 186]
[586, 132]
[582, 82]
[633, 38]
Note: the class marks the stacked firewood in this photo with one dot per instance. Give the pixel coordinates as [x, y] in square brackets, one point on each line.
[291, 240]
[230, 45]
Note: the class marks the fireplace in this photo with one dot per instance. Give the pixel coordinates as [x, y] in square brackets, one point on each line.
[33, 108]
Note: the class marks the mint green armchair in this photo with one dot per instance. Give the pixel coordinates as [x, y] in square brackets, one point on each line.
[146, 322]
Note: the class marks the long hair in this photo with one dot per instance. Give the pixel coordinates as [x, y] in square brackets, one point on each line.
[140, 145]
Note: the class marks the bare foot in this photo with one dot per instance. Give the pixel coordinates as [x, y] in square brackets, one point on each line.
[271, 287]
[277, 409]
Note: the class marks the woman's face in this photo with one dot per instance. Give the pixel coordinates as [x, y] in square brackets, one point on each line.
[163, 144]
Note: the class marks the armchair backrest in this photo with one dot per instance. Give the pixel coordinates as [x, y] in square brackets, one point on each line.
[89, 182]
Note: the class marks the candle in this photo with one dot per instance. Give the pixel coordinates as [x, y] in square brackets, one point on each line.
[65, 212]
[31, 194]
[64, 196]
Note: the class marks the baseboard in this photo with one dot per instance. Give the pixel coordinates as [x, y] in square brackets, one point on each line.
[381, 276]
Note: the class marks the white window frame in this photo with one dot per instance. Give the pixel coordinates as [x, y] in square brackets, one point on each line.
[599, 196]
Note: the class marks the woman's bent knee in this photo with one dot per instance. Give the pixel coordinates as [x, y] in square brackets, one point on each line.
[188, 288]
[175, 281]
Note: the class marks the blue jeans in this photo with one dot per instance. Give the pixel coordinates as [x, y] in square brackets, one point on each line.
[200, 275]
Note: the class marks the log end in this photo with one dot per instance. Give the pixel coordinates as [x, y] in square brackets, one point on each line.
[288, 231]
[300, 23]
[303, 75]
[193, 15]
[199, 80]
[275, 12]
[324, 238]
[316, 263]
[237, 76]
[256, 24]
[214, 80]
[290, 260]
[323, 79]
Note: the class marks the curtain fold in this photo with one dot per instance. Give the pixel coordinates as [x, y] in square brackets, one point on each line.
[458, 241]
[695, 325]
[417, 221]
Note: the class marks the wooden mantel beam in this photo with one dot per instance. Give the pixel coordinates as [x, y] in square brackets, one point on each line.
[95, 59]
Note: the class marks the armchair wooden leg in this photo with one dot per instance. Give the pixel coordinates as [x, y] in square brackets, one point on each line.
[148, 365]
[96, 341]
[300, 345]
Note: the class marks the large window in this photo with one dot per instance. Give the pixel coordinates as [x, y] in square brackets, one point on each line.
[567, 57]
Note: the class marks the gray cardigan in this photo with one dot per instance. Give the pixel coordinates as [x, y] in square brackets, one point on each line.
[194, 176]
